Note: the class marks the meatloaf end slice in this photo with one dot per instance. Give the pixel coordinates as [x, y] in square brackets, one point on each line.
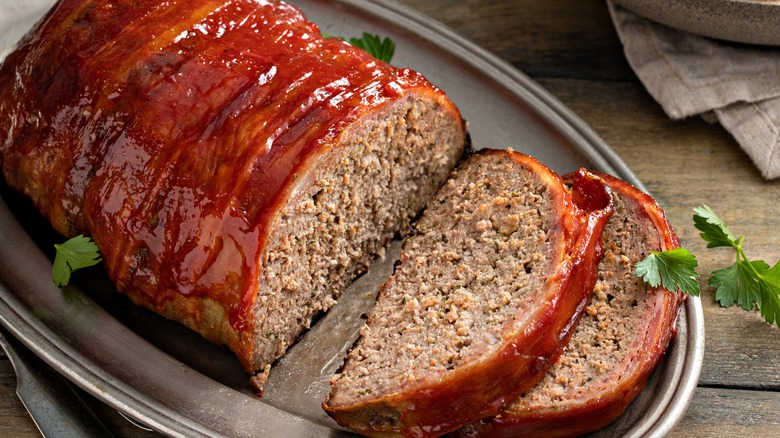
[488, 285]
[623, 334]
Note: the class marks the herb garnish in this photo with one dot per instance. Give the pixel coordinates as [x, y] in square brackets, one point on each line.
[76, 253]
[746, 282]
[674, 268]
[382, 49]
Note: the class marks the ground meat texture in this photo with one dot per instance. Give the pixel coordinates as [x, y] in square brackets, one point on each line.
[346, 211]
[474, 256]
[236, 168]
[476, 275]
[625, 329]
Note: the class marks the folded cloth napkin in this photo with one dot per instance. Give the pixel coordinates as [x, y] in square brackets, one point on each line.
[16, 18]
[737, 85]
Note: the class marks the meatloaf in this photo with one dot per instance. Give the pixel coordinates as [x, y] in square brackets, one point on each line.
[236, 169]
[486, 292]
[626, 328]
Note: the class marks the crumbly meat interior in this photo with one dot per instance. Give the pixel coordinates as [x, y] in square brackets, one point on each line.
[614, 320]
[484, 242]
[345, 212]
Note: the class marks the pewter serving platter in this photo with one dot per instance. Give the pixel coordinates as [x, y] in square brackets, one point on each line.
[164, 376]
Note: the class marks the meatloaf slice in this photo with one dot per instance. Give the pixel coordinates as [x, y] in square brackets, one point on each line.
[625, 330]
[236, 169]
[488, 285]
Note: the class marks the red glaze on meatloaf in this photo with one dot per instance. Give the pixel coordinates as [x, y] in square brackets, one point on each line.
[488, 289]
[623, 335]
[198, 142]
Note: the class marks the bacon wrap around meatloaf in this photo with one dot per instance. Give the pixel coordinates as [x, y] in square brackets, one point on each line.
[488, 290]
[623, 335]
[235, 168]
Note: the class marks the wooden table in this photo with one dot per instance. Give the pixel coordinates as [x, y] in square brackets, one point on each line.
[570, 47]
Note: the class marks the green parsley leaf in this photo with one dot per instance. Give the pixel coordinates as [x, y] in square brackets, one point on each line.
[712, 228]
[770, 298]
[674, 269]
[382, 49]
[748, 283]
[727, 281]
[76, 253]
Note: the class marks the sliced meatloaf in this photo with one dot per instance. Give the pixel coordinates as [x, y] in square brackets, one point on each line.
[483, 299]
[236, 169]
[622, 336]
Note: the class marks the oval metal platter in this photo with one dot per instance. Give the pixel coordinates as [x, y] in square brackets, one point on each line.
[162, 375]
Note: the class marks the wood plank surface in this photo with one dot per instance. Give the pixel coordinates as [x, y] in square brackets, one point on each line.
[571, 48]
[14, 421]
[717, 412]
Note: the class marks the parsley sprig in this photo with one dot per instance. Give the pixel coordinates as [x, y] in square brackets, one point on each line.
[674, 269]
[747, 282]
[382, 49]
[76, 253]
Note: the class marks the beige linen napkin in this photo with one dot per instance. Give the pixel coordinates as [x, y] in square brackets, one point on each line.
[16, 18]
[737, 85]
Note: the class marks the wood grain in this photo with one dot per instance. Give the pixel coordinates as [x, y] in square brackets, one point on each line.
[14, 421]
[730, 413]
[571, 48]
[564, 38]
